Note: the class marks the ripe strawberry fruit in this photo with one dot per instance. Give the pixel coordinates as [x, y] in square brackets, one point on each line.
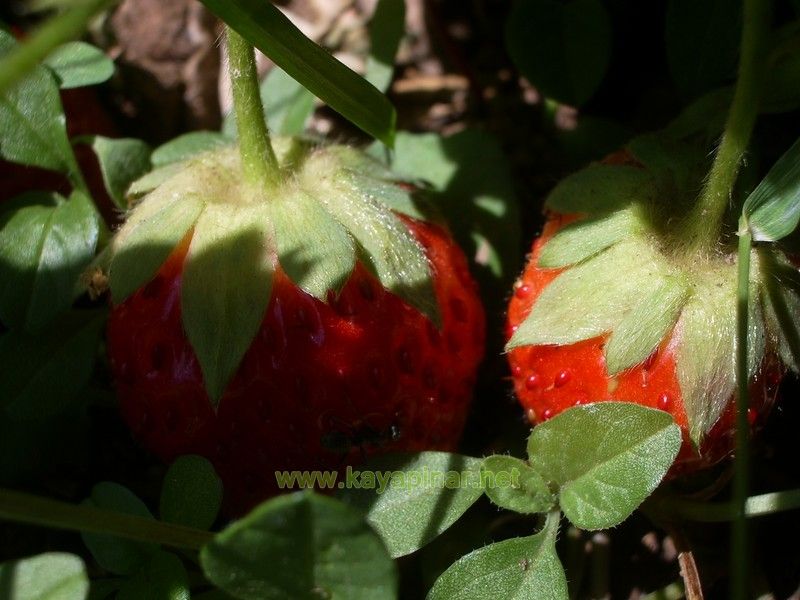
[349, 352]
[614, 305]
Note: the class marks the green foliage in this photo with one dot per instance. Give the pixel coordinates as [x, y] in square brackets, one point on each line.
[301, 546]
[606, 458]
[410, 513]
[45, 243]
[122, 161]
[525, 491]
[515, 569]
[772, 210]
[162, 577]
[563, 48]
[702, 43]
[32, 121]
[42, 374]
[264, 26]
[188, 145]
[191, 494]
[119, 556]
[78, 64]
[50, 576]
[386, 30]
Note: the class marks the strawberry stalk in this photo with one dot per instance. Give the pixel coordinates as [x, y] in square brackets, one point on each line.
[33, 510]
[259, 163]
[741, 481]
[704, 223]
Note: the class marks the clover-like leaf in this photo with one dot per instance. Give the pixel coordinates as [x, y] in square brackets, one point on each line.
[515, 569]
[512, 484]
[192, 493]
[78, 64]
[301, 545]
[114, 554]
[606, 458]
[122, 161]
[49, 576]
[594, 296]
[415, 497]
[225, 288]
[45, 243]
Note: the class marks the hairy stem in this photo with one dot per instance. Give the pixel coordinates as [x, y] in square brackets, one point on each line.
[704, 223]
[33, 510]
[56, 31]
[741, 478]
[259, 163]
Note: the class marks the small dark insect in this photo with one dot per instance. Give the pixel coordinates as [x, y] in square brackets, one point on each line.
[345, 437]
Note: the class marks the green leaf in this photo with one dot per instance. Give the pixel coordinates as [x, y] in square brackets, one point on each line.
[227, 278]
[602, 188]
[122, 161]
[188, 145]
[386, 29]
[288, 106]
[264, 26]
[191, 494]
[702, 43]
[512, 484]
[594, 296]
[642, 330]
[117, 555]
[301, 546]
[606, 459]
[409, 508]
[318, 262]
[706, 348]
[581, 240]
[155, 178]
[42, 374]
[563, 48]
[153, 231]
[32, 123]
[476, 194]
[49, 576]
[389, 248]
[515, 569]
[45, 243]
[78, 64]
[782, 305]
[773, 208]
[162, 577]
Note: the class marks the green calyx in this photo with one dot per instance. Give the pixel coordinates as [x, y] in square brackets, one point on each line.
[628, 275]
[332, 207]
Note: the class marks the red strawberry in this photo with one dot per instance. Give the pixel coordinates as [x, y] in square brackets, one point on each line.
[324, 381]
[635, 320]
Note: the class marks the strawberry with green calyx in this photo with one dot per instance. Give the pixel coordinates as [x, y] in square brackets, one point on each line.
[618, 302]
[287, 307]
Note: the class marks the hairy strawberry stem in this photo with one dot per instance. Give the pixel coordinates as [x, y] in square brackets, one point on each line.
[33, 510]
[259, 163]
[704, 223]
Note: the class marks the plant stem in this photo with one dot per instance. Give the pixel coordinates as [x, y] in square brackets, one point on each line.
[704, 223]
[56, 31]
[26, 508]
[259, 163]
[719, 512]
[741, 478]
